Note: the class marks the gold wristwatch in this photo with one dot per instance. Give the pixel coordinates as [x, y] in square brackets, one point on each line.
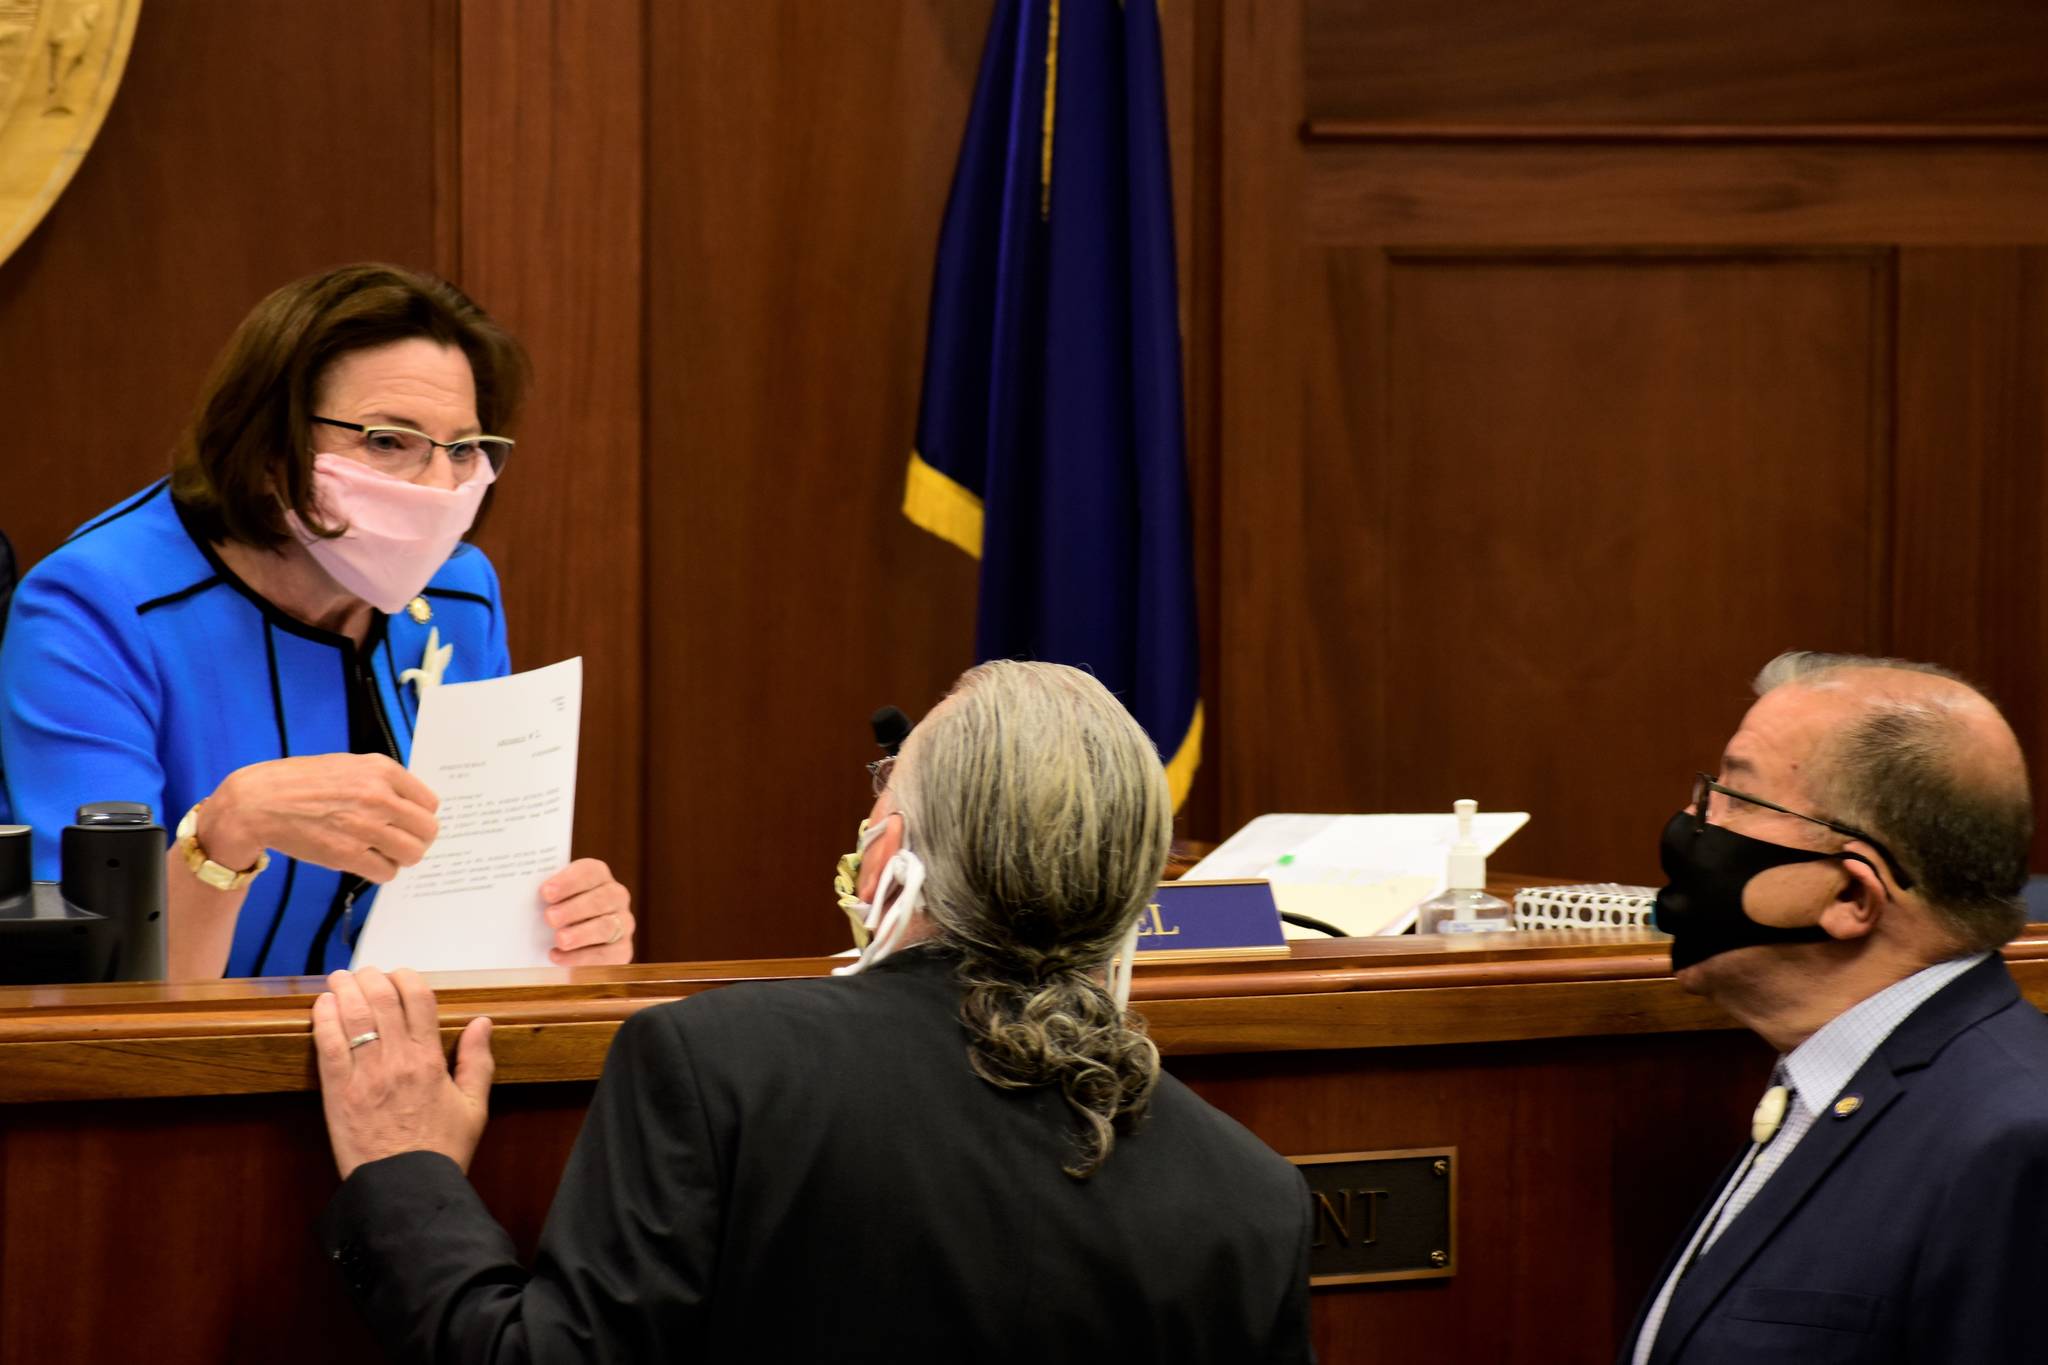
[206, 869]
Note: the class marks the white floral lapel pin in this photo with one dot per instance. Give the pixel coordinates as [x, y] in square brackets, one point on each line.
[433, 664]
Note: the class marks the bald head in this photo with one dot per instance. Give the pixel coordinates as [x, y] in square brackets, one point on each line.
[1922, 760]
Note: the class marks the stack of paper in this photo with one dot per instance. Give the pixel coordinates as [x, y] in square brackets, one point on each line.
[501, 755]
[1363, 874]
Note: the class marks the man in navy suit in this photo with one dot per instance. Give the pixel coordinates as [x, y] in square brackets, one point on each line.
[1842, 888]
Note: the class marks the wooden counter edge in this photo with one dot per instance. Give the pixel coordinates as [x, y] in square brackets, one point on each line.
[570, 1047]
[261, 1044]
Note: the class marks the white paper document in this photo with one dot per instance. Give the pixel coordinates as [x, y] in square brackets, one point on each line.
[1363, 874]
[501, 755]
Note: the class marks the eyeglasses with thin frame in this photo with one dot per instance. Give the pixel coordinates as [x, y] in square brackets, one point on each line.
[878, 772]
[405, 453]
[1704, 788]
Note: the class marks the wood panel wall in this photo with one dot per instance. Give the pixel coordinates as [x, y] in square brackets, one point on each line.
[1548, 370]
[801, 156]
[1593, 355]
[552, 200]
[186, 212]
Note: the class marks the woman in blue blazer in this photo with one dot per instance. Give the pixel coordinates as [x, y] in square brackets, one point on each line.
[243, 644]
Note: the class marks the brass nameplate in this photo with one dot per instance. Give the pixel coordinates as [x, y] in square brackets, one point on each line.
[1382, 1215]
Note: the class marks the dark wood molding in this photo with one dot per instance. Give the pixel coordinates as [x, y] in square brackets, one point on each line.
[1337, 131]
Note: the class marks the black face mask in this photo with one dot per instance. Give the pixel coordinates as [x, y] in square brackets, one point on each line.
[1708, 868]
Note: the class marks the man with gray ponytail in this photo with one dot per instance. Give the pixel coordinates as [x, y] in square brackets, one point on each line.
[961, 1148]
[1042, 819]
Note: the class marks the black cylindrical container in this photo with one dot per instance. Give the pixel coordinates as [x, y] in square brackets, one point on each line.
[13, 862]
[113, 865]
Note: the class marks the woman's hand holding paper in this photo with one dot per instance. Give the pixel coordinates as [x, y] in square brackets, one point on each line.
[591, 914]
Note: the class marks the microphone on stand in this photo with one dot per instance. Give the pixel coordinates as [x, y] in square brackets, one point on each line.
[891, 728]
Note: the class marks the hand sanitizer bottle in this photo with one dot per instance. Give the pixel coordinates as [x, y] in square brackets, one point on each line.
[1464, 907]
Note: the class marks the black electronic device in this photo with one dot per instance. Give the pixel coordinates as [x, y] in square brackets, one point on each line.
[104, 921]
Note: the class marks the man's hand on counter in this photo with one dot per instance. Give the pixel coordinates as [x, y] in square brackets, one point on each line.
[384, 1081]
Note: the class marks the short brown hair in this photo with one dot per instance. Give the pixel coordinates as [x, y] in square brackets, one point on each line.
[247, 455]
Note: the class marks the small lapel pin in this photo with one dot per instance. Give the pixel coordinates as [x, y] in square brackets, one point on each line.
[433, 663]
[1847, 1105]
[1770, 1112]
[419, 611]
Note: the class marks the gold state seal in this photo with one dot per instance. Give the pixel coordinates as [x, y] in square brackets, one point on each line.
[60, 63]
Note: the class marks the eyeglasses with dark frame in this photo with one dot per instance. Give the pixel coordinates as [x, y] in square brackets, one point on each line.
[405, 453]
[1704, 787]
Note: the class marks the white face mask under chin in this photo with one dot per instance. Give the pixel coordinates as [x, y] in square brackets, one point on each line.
[1118, 978]
[888, 927]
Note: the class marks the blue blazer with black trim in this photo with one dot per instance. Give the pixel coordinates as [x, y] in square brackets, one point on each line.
[136, 666]
[1911, 1229]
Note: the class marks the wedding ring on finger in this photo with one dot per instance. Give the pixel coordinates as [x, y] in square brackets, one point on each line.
[361, 1038]
[618, 931]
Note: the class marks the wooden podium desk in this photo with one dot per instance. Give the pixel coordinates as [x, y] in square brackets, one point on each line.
[162, 1157]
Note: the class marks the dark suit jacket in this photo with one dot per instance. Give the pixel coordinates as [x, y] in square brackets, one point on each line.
[1914, 1229]
[809, 1170]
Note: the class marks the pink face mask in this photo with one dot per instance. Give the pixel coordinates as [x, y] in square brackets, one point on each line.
[399, 533]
